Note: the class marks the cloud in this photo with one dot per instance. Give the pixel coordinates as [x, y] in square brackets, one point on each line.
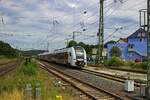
[32, 21]
[72, 3]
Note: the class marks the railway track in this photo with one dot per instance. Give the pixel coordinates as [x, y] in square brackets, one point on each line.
[112, 77]
[92, 91]
[122, 69]
[8, 67]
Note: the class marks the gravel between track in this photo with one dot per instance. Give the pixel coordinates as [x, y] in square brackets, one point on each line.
[109, 85]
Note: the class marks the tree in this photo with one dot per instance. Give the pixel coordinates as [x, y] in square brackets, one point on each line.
[115, 52]
[87, 47]
[82, 44]
[7, 50]
[72, 43]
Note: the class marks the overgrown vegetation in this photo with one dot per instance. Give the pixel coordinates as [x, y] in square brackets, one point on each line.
[12, 87]
[142, 65]
[29, 69]
[117, 62]
[114, 61]
[24, 74]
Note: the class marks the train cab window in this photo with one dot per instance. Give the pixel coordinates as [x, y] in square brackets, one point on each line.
[79, 52]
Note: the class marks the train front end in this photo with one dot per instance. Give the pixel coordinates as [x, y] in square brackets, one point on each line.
[80, 53]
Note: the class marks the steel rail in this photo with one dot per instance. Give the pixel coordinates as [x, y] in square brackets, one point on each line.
[1, 64]
[55, 71]
[122, 69]
[8, 67]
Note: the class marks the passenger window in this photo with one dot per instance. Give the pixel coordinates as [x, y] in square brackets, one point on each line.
[70, 54]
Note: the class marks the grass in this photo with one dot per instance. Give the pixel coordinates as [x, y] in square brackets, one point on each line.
[14, 95]
[12, 86]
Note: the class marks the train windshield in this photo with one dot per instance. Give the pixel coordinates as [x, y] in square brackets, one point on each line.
[79, 52]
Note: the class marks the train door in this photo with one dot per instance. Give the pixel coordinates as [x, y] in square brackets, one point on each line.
[69, 58]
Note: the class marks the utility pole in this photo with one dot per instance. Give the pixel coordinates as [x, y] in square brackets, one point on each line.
[73, 35]
[55, 23]
[100, 57]
[47, 46]
[148, 48]
[67, 41]
[2, 19]
[101, 32]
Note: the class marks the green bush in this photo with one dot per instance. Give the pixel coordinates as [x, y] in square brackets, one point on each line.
[131, 63]
[106, 62]
[25, 75]
[115, 61]
[29, 69]
[142, 65]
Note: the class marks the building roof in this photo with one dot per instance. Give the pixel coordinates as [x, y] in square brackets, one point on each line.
[122, 40]
[138, 34]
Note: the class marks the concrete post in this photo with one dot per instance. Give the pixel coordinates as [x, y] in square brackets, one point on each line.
[28, 92]
[38, 92]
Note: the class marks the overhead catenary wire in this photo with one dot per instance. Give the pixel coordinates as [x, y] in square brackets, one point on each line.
[91, 17]
[43, 17]
[34, 18]
[108, 5]
[112, 34]
[107, 15]
[107, 11]
[89, 28]
[73, 25]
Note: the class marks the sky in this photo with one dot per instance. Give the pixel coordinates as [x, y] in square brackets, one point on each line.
[38, 24]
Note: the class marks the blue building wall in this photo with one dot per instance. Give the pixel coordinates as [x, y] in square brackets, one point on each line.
[140, 46]
[134, 49]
